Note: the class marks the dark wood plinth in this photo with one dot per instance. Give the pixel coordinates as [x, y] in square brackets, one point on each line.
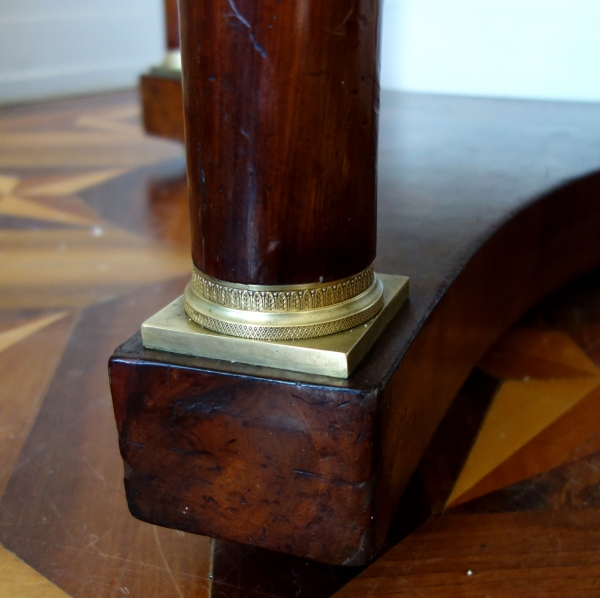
[274, 460]
[162, 105]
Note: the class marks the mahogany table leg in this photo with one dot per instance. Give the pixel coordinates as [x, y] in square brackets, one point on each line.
[281, 108]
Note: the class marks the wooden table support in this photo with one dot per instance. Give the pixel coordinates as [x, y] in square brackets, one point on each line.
[281, 135]
[313, 466]
[281, 108]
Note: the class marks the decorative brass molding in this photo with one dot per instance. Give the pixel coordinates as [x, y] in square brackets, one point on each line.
[333, 355]
[283, 312]
[282, 333]
[281, 298]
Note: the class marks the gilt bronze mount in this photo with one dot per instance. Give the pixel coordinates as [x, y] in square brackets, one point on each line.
[283, 312]
[333, 355]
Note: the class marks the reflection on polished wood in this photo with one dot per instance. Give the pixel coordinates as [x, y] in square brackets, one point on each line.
[524, 526]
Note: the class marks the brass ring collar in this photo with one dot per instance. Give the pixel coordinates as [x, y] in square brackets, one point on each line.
[283, 312]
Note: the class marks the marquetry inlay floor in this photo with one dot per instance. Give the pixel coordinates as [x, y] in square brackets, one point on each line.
[523, 516]
[94, 239]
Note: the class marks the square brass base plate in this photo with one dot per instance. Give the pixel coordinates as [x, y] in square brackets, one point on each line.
[334, 355]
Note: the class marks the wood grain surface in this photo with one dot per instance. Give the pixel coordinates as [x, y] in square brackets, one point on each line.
[65, 255]
[18, 580]
[112, 202]
[162, 105]
[264, 461]
[281, 105]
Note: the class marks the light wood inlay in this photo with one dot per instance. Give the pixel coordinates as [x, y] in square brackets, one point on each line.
[569, 438]
[53, 150]
[520, 411]
[108, 124]
[8, 184]
[22, 331]
[19, 580]
[100, 139]
[69, 184]
[11, 205]
[75, 267]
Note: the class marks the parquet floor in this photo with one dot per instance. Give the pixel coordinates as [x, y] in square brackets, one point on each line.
[93, 240]
[522, 518]
[77, 237]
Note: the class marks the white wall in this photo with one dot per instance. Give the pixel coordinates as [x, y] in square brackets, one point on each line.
[509, 48]
[59, 47]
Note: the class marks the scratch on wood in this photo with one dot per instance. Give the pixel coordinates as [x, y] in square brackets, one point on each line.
[310, 474]
[139, 444]
[315, 404]
[338, 29]
[244, 22]
[362, 435]
[98, 474]
[162, 554]
[55, 509]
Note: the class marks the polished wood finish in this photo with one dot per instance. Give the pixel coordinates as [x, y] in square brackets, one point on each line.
[341, 473]
[255, 460]
[281, 103]
[172, 24]
[498, 556]
[162, 105]
[93, 222]
[541, 247]
[160, 89]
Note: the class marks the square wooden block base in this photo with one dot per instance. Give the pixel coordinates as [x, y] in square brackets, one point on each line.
[284, 460]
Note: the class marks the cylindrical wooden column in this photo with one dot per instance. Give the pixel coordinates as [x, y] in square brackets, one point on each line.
[281, 104]
[172, 25]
